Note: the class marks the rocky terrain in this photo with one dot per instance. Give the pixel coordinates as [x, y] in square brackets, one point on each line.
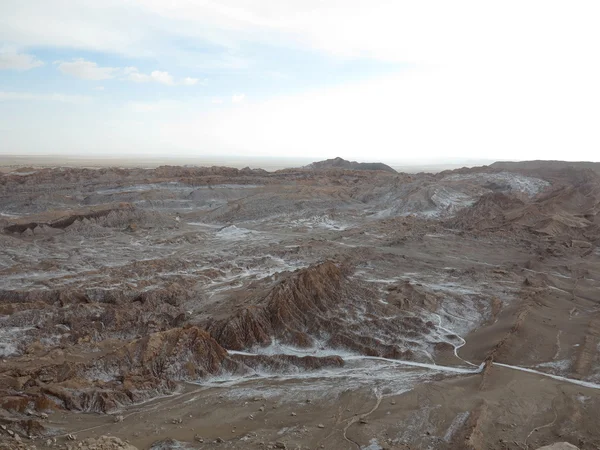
[545, 165]
[331, 306]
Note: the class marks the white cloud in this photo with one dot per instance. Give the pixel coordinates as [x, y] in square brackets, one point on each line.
[217, 101]
[238, 98]
[139, 77]
[152, 107]
[189, 81]
[12, 59]
[99, 88]
[89, 70]
[55, 97]
[162, 77]
[86, 70]
[133, 74]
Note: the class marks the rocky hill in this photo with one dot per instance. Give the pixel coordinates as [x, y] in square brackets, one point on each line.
[340, 163]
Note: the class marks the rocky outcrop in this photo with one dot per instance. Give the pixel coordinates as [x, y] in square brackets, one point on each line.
[489, 212]
[339, 163]
[65, 221]
[137, 371]
[176, 354]
[321, 307]
[587, 353]
[90, 316]
[502, 347]
[410, 297]
[291, 311]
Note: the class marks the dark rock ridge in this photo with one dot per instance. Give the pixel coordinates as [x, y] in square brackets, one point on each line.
[65, 221]
[545, 165]
[340, 163]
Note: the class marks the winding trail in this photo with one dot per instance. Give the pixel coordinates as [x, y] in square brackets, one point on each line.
[354, 419]
[522, 369]
[549, 424]
[456, 347]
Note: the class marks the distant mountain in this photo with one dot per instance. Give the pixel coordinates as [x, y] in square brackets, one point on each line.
[340, 163]
[548, 165]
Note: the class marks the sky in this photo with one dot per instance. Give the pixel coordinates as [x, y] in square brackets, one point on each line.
[393, 80]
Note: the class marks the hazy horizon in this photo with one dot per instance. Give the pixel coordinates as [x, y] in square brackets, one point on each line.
[237, 161]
